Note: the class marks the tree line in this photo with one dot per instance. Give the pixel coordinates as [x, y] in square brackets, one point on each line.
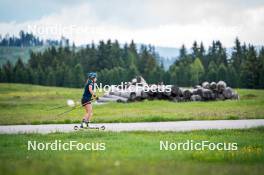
[244, 68]
[26, 39]
[67, 66]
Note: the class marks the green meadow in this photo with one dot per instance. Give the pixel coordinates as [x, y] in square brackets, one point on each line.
[31, 104]
[135, 153]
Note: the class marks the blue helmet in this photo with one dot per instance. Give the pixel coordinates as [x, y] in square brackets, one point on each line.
[92, 75]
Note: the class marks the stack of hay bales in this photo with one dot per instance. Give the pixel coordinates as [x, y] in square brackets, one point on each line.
[214, 91]
[204, 92]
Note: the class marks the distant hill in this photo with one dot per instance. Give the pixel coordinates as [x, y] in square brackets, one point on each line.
[13, 53]
[13, 47]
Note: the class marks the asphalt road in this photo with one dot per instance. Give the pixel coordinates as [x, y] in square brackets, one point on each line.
[142, 126]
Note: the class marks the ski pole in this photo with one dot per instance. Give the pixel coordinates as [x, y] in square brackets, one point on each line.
[70, 103]
[65, 112]
[57, 107]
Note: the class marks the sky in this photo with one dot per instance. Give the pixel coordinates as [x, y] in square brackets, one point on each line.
[167, 23]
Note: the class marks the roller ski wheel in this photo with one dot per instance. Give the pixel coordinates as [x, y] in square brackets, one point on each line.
[102, 127]
[89, 127]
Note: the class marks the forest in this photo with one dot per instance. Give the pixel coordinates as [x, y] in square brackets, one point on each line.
[67, 65]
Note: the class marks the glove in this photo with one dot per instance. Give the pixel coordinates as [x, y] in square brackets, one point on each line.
[95, 97]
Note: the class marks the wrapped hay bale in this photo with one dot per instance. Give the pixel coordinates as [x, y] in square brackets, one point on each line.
[177, 99]
[124, 100]
[207, 94]
[104, 99]
[144, 95]
[221, 85]
[213, 97]
[199, 91]
[176, 91]
[228, 93]
[196, 98]
[150, 93]
[213, 86]
[140, 79]
[117, 93]
[134, 81]
[167, 93]
[112, 98]
[197, 87]
[195, 91]
[159, 95]
[206, 85]
[187, 94]
[132, 97]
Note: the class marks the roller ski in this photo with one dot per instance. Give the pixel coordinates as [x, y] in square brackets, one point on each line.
[86, 125]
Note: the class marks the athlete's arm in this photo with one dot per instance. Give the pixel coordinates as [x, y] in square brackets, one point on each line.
[91, 90]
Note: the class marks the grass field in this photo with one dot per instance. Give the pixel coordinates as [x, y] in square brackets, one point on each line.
[128, 152]
[135, 153]
[29, 104]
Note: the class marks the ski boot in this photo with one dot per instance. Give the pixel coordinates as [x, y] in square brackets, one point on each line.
[84, 124]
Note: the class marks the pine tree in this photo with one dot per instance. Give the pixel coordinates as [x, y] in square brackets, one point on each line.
[250, 69]
[32, 76]
[59, 74]
[212, 72]
[8, 72]
[221, 57]
[132, 72]
[232, 78]
[51, 79]
[197, 71]
[41, 76]
[261, 72]
[222, 72]
[202, 56]
[69, 77]
[78, 76]
[19, 72]
[236, 58]
[195, 50]
[174, 75]
[183, 53]
[115, 55]
[134, 53]
[1, 75]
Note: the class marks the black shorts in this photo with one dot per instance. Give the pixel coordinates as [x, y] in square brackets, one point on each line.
[86, 101]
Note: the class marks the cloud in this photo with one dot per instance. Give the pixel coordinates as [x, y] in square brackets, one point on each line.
[163, 23]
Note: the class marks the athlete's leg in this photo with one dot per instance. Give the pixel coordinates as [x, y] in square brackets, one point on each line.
[89, 111]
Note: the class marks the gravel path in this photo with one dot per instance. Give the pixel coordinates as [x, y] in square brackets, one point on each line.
[144, 126]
